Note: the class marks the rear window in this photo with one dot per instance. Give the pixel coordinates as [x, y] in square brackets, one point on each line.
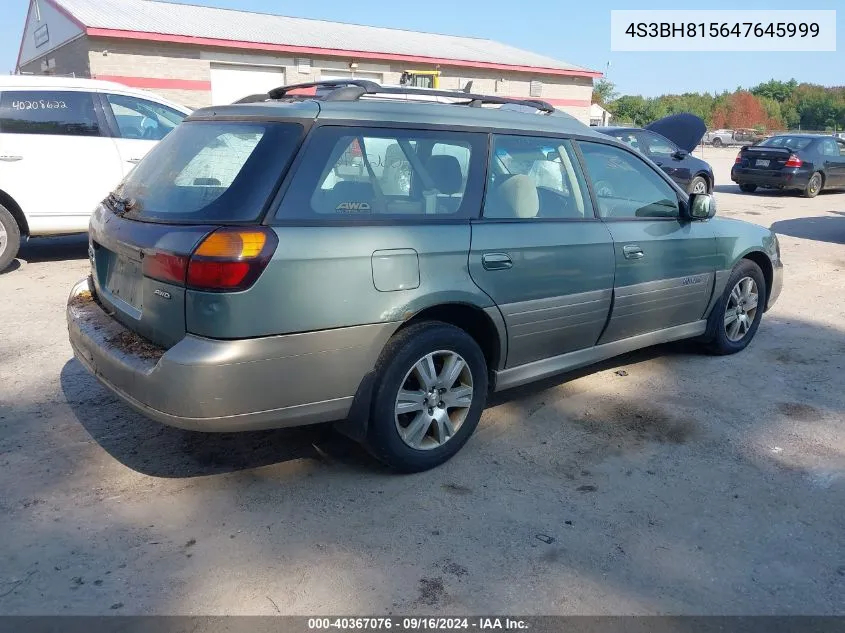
[211, 172]
[788, 142]
[366, 173]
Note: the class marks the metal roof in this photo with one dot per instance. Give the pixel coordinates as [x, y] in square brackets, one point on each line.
[190, 21]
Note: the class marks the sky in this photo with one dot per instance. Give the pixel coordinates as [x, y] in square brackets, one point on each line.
[574, 31]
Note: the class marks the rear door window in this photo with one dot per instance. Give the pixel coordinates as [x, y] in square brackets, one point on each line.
[829, 147]
[523, 165]
[62, 113]
[210, 172]
[368, 173]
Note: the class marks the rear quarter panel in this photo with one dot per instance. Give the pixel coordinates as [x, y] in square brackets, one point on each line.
[322, 277]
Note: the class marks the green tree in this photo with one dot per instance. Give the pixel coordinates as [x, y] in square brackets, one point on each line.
[604, 92]
[773, 89]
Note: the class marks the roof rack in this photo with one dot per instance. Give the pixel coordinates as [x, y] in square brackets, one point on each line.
[354, 89]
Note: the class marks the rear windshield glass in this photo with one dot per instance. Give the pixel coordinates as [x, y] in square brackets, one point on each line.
[788, 142]
[210, 172]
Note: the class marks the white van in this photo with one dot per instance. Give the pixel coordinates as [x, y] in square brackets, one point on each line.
[64, 145]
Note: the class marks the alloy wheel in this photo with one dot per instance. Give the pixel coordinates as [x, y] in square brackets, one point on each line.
[434, 400]
[700, 187]
[4, 239]
[741, 309]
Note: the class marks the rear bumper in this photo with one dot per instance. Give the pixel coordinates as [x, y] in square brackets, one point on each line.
[787, 178]
[214, 385]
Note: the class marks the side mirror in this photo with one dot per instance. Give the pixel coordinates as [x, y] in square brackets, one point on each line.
[680, 154]
[702, 206]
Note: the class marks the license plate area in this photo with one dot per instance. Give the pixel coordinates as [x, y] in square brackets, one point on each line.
[124, 280]
[762, 162]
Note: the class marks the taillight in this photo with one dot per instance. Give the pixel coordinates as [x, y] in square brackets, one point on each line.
[793, 161]
[166, 267]
[230, 259]
[738, 159]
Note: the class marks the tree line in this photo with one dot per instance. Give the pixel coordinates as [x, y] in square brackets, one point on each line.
[773, 105]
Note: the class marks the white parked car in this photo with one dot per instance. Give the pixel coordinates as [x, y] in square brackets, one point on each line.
[64, 145]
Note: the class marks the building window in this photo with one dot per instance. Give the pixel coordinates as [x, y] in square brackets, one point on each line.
[303, 65]
[536, 89]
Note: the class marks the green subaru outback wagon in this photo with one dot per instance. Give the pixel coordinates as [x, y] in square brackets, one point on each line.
[386, 260]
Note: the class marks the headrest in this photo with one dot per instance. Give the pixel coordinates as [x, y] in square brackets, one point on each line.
[445, 171]
[515, 198]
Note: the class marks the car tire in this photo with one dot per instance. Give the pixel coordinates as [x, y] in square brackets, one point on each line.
[814, 185]
[698, 182]
[748, 188]
[417, 433]
[10, 238]
[717, 142]
[732, 324]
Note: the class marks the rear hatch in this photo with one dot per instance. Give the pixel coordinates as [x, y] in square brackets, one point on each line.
[187, 217]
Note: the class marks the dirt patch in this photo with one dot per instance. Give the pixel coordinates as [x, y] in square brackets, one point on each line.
[82, 299]
[432, 591]
[454, 569]
[788, 357]
[637, 423]
[798, 410]
[135, 345]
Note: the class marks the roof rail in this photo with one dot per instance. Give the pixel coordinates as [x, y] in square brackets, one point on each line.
[354, 89]
[282, 91]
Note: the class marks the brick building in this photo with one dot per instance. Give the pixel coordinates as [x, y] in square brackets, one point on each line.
[201, 56]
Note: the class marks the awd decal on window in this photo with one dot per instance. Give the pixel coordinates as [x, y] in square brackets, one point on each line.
[352, 207]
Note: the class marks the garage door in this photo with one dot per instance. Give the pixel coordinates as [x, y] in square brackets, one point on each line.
[332, 75]
[231, 82]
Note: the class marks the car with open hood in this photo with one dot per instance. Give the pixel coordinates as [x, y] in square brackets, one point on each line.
[669, 142]
[386, 264]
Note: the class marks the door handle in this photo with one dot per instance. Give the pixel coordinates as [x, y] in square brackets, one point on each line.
[496, 261]
[11, 159]
[658, 163]
[632, 251]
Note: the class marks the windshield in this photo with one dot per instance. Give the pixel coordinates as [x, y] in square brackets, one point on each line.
[209, 172]
[789, 142]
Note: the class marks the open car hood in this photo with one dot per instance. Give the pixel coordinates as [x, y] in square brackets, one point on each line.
[684, 130]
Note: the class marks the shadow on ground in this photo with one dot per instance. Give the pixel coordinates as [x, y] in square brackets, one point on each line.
[50, 249]
[821, 228]
[162, 451]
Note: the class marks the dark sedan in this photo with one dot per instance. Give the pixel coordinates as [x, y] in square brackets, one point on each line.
[669, 143]
[803, 162]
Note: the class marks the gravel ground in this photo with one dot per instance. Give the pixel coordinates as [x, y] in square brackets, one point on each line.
[664, 481]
